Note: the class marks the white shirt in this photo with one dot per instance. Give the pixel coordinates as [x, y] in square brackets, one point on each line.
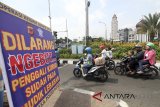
[104, 53]
[109, 54]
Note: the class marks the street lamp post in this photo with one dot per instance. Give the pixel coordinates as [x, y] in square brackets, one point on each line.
[67, 32]
[50, 18]
[87, 4]
[105, 35]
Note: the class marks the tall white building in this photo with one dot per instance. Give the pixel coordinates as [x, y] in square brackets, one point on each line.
[114, 29]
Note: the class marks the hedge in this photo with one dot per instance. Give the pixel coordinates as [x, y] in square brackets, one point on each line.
[121, 50]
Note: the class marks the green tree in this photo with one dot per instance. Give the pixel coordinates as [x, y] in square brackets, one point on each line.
[88, 39]
[150, 24]
[100, 39]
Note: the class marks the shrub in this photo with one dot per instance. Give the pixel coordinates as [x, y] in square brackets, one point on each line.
[121, 50]
[65, 51]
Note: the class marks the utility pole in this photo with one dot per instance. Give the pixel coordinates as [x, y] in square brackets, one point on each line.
[87, 4]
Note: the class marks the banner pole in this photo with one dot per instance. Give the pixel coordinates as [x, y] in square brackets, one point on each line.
[5, 78]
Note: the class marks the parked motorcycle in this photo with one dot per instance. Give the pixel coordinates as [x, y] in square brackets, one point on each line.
[98, 72]
[149, 70]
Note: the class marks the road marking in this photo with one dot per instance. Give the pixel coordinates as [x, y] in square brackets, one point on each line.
[123, 104]
[84, 91]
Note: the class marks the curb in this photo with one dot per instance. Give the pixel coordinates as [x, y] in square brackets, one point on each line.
[68, 61]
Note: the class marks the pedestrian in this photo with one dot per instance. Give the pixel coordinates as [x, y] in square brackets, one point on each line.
[57, 56]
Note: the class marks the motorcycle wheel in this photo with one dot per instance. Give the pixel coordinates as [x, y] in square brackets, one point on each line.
[77, 73]
[154, 73]
[111, 65]
[118, 70]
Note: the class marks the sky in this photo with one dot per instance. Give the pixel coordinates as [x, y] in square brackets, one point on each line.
[129, 13]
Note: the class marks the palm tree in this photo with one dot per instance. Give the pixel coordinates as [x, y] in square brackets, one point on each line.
[150, 24]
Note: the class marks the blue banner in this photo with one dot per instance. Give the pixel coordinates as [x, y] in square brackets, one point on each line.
[29, 59]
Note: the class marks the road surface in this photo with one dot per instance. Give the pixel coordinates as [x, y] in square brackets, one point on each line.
[141, 92]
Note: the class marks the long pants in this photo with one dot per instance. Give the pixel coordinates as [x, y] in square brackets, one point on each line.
[86, 67]
[141, 63]
[133, 64]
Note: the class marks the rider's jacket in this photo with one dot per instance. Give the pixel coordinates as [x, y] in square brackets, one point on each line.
[150, 55]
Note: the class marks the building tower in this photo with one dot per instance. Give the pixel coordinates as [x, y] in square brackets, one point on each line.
[114, 28]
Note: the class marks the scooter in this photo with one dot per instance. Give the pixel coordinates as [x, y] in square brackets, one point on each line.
[98, 72]
[110, 64]
[149, 70]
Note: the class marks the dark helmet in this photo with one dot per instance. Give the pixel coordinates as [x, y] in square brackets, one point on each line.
[137, 47]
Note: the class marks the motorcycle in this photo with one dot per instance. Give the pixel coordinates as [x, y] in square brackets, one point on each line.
[98, 72]
[121, 67]
[110, 64]
[149, 70]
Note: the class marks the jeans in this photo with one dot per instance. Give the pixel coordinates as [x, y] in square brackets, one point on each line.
[1, 98]
[141, 63]
[86, 68]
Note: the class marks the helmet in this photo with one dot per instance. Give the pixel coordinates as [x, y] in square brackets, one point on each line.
[102, 47]
[88, 49]
[150, 44]
[138, 46]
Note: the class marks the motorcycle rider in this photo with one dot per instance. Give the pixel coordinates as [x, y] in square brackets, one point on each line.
[109, 52]
[133, 64]
[139, 52]
[88, 62]
[104, 52]
[149, 57]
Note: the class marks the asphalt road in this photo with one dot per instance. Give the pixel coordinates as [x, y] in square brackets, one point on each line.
[142, 92]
